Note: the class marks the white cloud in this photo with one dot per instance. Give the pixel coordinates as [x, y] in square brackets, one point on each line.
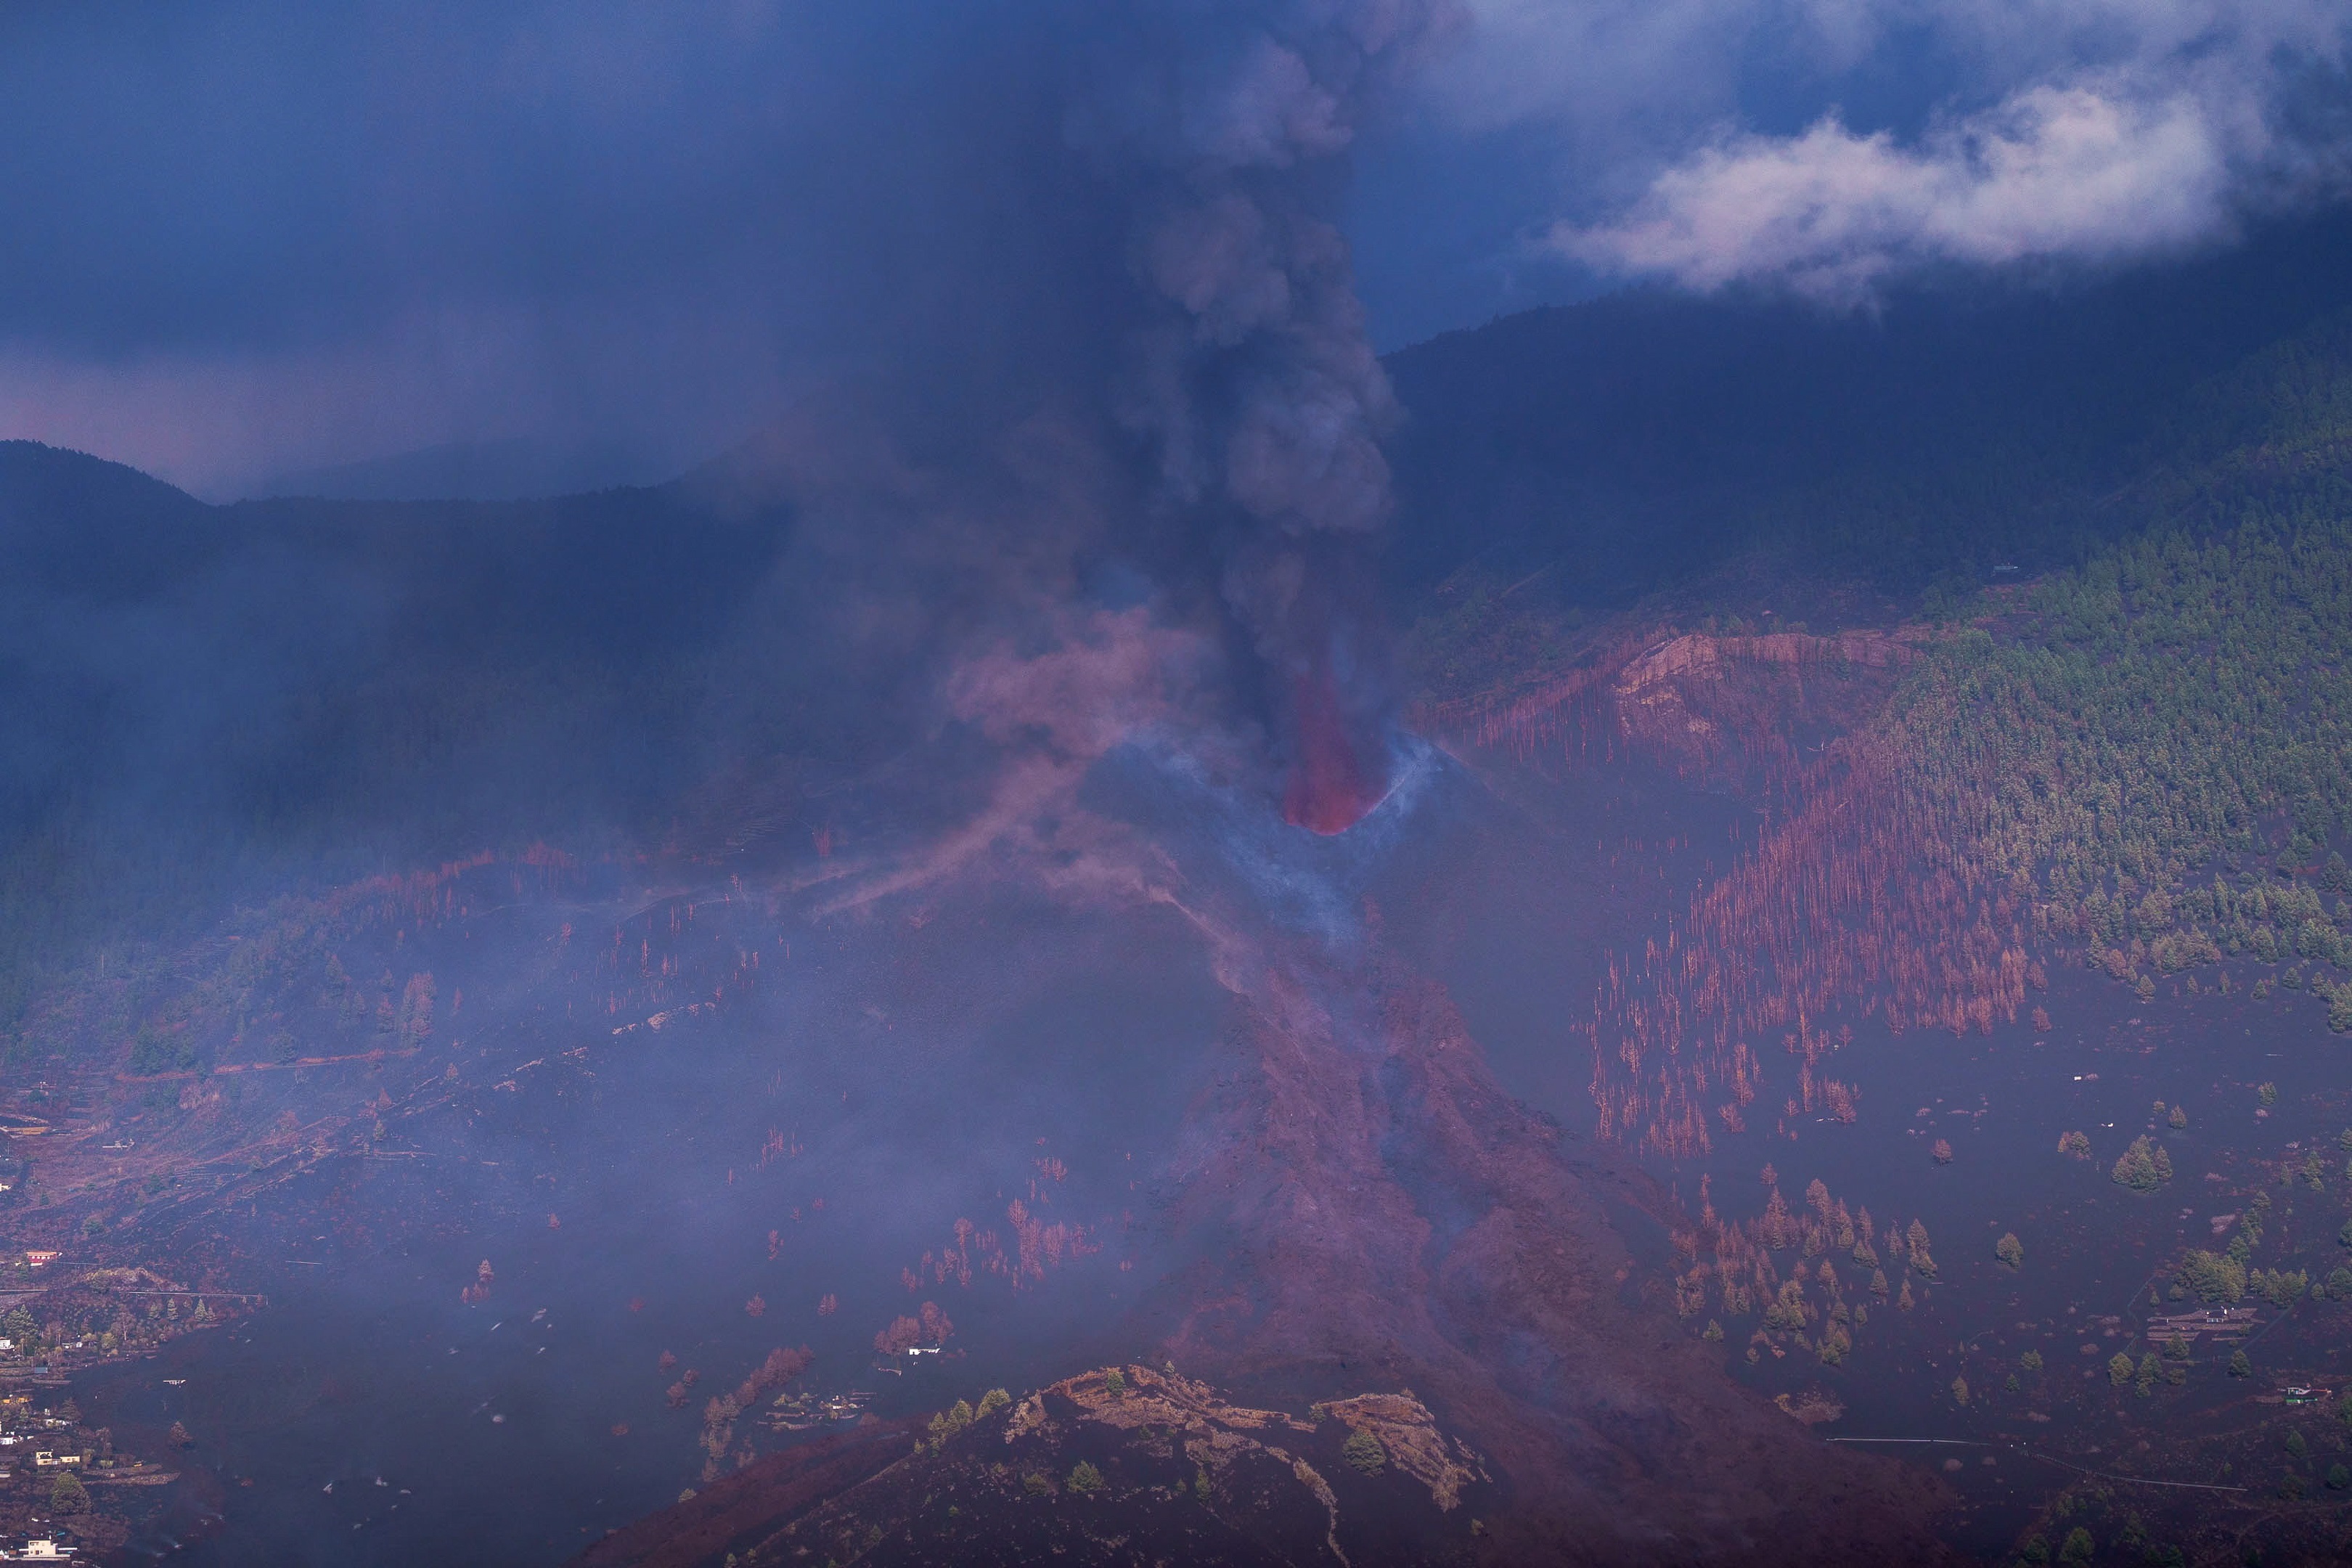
[2080, 129]
[2071, 173]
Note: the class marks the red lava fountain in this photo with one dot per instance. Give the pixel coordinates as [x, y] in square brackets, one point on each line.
[1333, 780]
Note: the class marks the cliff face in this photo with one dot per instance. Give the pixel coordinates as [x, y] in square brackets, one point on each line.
[1383, 1215]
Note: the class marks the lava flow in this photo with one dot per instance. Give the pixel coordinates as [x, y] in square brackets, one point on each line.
[1334, 780]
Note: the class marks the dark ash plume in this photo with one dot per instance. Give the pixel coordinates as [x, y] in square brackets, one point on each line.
[1251, 377]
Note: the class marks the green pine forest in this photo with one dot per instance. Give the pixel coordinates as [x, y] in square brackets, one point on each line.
[2156, 747]
[2151, 746]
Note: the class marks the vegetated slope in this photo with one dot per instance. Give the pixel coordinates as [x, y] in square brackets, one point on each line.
[2140, 763]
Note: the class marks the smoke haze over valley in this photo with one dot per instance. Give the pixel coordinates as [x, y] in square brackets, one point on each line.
[1356, 781]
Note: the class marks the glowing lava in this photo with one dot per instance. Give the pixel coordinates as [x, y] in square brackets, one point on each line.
[1336, 777]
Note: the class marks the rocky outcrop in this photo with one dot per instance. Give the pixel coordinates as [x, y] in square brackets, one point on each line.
[1119, 1466]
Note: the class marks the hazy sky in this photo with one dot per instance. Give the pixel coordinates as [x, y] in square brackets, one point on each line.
[248, 237]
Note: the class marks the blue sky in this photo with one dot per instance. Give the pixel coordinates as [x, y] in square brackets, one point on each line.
[248, 238]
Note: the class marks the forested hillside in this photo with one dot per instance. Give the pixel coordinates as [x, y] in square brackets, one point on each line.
[2158, 748]
[2159, 743]
[2142, 761]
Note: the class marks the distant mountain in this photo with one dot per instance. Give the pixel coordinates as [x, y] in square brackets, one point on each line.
[475, 470]
[188, 688]
[1637, 441]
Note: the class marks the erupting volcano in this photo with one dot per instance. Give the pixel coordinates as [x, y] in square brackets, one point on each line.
[842, 820]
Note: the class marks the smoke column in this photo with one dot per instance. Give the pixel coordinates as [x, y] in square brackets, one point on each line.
[1249, 378]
